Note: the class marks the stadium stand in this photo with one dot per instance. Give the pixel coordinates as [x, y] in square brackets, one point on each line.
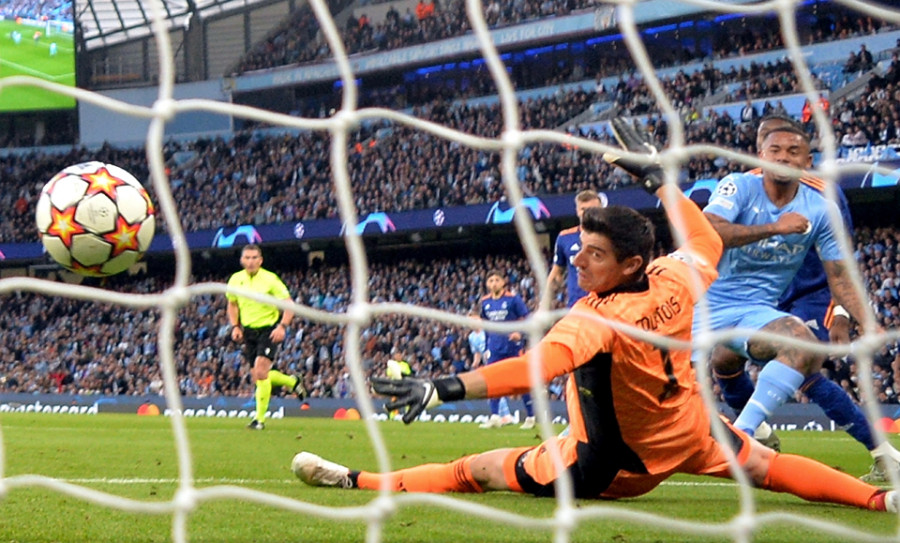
[297, 184]
[263, 177]
[298, 40]
[117, 356]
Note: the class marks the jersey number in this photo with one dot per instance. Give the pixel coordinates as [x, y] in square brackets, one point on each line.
[671, 387]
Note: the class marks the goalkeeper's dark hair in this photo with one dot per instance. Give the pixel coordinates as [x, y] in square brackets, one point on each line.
[630, 233]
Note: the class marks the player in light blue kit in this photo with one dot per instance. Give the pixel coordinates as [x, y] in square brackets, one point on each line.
[568, 243]
[808, 297]
[502, 305]
[768, 224]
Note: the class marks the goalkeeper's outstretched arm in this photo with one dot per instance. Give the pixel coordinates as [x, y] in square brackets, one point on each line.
[702, 241]
[504, 378]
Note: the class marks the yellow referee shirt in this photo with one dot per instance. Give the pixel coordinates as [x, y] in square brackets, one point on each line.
[255, 314]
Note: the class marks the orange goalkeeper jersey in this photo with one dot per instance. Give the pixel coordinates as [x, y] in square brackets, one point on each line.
[626, 393]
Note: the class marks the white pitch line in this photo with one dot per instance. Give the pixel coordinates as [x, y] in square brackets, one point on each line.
[35, 73]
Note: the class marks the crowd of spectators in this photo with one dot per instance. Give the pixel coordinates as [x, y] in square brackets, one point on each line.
[288, 43]
[267, 179]
[874, 117]
[632, 96]
[47, 347]
[261, 178]
[878, 254]
[264, 179]
[36, 9]
[298, 40]
[732, 39]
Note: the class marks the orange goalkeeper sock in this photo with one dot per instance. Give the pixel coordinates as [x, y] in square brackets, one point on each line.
[434, 478]
[814, 481]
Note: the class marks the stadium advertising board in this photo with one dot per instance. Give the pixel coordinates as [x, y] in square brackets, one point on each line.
[787, 417]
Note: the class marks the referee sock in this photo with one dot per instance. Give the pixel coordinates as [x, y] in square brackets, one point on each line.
[263, 393]
[816, 482]
[775, 384]
[737, 389]
[836, 403]
[279, 379]
[432, 478]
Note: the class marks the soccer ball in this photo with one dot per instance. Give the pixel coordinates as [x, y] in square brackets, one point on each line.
[95, 219]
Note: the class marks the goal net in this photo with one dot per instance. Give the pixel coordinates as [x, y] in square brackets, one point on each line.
[361, 311]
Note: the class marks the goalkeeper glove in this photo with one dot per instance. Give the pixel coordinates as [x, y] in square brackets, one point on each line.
[649, 175]
[417, 395]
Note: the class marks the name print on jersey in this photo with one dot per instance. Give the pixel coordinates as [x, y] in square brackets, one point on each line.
[660, 315]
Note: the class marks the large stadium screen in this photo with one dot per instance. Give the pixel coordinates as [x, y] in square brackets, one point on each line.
[36, 39]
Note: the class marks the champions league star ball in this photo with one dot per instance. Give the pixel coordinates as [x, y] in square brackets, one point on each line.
[95, 219]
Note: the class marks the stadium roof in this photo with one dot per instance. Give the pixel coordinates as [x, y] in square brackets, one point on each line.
[107, 22]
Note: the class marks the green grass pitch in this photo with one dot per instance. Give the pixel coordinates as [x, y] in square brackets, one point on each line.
[33, 58]
[135, 457]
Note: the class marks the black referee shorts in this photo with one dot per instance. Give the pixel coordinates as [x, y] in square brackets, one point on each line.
[258, 343]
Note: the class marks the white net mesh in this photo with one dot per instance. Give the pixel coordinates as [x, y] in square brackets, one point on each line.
[360, 312]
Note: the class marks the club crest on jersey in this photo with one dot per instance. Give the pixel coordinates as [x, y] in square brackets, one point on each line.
[728, 188]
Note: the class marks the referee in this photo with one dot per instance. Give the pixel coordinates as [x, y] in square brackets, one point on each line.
[261, 327]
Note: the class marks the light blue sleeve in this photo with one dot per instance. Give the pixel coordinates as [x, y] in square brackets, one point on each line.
[727, 200]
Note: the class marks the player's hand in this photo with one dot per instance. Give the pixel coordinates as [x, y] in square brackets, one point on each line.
[840, 330]
[237, 334]
[649, 174]
[515, 336]
[792, 223]
[410, 395]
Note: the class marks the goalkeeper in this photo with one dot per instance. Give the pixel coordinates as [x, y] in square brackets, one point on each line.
[635, 409]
